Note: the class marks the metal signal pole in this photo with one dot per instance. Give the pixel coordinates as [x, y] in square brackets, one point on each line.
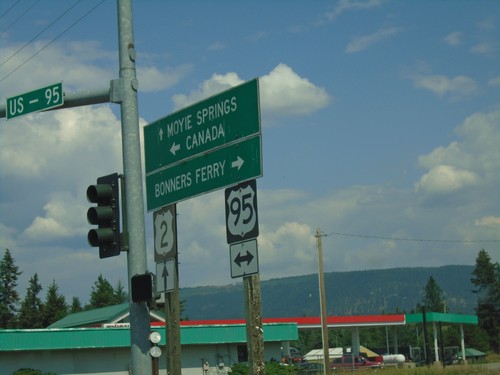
[132, 168]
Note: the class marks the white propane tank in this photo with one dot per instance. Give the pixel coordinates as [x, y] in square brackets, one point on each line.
[394, 358]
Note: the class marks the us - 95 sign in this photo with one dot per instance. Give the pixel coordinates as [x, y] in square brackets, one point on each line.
[241, 212]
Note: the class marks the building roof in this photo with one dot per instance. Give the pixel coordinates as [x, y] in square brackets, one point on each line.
[97, 317]
[93, 338]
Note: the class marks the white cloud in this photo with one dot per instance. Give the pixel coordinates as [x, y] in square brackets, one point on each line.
[152, 78]
[352, 5]
[445, 178]
[282, 92]
[363, 42]
[458, 87]
[453, 39]
[59, 142]
[472, 161]
[216, 46]
[484, 48]
[494, 81]
[212, 86]
[82, 65]
[63, 218]
[488, 221]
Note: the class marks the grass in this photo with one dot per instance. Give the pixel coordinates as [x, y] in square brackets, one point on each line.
[473, 369]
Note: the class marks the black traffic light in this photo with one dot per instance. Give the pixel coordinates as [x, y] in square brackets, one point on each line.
[106, 193]
[143, 288]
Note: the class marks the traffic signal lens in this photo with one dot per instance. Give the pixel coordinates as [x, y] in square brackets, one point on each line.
[100, 192]
[99, 237]
[100, 215]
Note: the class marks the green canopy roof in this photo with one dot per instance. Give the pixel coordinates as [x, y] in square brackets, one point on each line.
[443, 318]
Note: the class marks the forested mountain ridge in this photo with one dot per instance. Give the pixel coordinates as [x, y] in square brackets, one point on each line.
[347, 293]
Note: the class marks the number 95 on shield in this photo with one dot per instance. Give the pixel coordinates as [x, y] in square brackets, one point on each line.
[241, 212]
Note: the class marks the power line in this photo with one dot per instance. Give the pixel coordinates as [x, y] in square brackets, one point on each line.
[9, 9]
[52, 41]
[21, 16]
[406, 239]
[41, 32]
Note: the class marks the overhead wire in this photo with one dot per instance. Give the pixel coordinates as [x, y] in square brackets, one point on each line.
[405, 239]
[41, 32]
[9, 9]
[19, 17]
[53, 40]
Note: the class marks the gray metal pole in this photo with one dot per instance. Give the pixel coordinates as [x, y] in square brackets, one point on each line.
[139, 314]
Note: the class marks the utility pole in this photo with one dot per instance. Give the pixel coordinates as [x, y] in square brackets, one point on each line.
[255, 333]
[322, 301]
[132, 168]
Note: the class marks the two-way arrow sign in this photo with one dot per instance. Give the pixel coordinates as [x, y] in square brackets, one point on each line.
[244, 258]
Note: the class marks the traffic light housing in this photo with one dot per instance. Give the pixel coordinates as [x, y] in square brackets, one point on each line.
[106, 193]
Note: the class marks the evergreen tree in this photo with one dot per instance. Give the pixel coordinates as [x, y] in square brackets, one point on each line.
[102, 294]
[55, 307]
[433, 296]
[76, 306]
[9, 298]
[31, 313]
[120, 295]
[486, 280]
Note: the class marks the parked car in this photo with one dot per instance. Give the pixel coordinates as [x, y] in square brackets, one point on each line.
[354, 362]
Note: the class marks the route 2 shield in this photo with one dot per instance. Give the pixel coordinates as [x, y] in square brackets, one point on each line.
[241, 212]
[165, 233]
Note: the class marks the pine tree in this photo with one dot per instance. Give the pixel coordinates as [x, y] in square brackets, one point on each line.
[120, 294]
[486, 279]
[9, 298]
[433, 296]
[31, 312]
[55, 307]
[76, 306]
[102, 294]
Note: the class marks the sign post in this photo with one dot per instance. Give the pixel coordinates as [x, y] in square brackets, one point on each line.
[35, 101]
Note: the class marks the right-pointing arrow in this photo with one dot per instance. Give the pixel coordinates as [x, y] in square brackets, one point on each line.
[237, 163]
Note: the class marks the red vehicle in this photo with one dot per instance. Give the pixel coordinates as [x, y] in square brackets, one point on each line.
[354, 362]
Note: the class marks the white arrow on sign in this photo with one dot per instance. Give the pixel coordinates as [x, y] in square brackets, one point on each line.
[237, 163]
[175, 147]
[160, 133]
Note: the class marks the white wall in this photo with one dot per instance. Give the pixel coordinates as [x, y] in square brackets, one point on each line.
[116, 361]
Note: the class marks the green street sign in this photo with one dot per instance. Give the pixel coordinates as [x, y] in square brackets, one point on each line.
[223, 167]
[35, 101]
[214, 122]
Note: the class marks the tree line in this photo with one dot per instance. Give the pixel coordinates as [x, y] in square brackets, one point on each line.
[33, 312]
[485, 281]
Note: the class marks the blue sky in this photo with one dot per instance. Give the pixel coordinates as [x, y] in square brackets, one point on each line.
[379, 119]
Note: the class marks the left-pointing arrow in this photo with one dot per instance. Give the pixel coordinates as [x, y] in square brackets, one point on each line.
[175, 147]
